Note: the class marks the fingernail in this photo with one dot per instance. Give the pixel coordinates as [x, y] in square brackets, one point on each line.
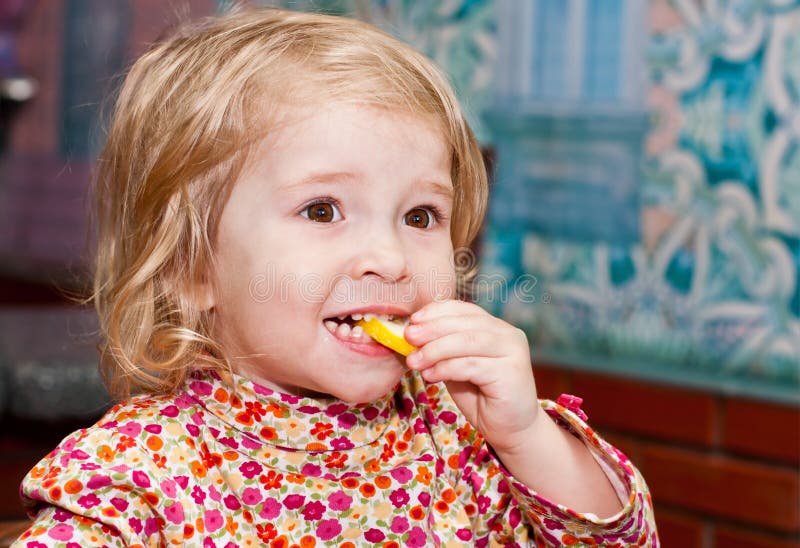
[414, 358]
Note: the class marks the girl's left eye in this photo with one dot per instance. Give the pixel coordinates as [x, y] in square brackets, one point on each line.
[322, 212]
[420, 217]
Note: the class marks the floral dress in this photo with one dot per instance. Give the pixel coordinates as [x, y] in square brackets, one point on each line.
[227, 463]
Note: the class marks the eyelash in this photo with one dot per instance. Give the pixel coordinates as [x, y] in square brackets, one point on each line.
[436, 213]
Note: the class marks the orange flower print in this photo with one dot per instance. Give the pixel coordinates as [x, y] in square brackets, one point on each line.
[423, 475]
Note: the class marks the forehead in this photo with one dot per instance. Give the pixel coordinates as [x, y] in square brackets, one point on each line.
[313, 137]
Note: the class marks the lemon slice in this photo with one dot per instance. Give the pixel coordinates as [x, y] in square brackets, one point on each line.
[389, 333]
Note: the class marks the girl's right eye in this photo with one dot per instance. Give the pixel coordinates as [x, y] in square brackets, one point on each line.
[324, 211]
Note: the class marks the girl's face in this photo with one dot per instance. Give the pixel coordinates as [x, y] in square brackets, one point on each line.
[344, 210]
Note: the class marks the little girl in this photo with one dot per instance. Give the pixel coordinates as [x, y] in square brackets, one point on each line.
[270, 178]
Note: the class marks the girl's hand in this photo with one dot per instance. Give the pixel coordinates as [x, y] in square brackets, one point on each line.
[486, 366]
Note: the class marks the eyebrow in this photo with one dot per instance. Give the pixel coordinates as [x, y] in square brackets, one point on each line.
[433, 185]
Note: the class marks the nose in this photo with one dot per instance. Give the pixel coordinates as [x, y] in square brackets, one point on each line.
[381, 253]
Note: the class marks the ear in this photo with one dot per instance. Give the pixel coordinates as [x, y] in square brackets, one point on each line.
[202, 296]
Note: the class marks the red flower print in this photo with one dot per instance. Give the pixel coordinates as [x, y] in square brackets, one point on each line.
[328, 529]
[335, 460]
[266, 532]
[271, 480]
[322, 430]
[313, 510]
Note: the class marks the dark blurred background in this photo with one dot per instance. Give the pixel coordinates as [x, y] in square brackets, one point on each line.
[644, 224]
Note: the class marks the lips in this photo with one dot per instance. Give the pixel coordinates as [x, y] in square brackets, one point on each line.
[343, 328]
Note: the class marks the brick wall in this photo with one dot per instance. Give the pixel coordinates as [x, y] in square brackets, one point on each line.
[723, 470]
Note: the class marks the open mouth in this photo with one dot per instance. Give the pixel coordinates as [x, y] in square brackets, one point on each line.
[343, 327]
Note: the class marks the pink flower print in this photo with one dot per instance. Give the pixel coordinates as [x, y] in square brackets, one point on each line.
[399, 497]
[346, 421]
[293, 502]
[336, 409]
[150, 526]
[136, 525]
[311, 470]
[61, 515]
[35, 544]
[370, 413]
[214, 494]
[119, 504]
[251, 496]
[416, 537]
[250, 469]
[208, 542]
[448, 417]
[68, 445]
[193, 430]
[200, 387]
[341, 444]
[232, 503]
[340, 501]
[170, 411]
[198, 495]
[399, 525]
[174, 513]
[98, 481]
[89, 466]
[153, 428]
[141, 479]
[89, 501]
[464, 534]
[374, 535]
[328, 529]
[483, 504]
[168, 487]
[131, 429]
[73, 545]
[78, 455]
[313, 510]
[62, 531]
[213, 520]
[514, 517]
[424, 499]
[183, 481]
[402, 474]
[271, 508]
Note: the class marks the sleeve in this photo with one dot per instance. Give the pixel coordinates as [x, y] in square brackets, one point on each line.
[504, 511]
[56, 527]
[97, 488]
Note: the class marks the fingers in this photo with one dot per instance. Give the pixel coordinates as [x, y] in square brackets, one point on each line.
[422, 333]
[446, 308]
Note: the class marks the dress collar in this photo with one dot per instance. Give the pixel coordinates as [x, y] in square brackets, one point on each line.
[292, 422]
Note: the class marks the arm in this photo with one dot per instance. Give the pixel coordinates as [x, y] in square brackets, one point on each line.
[485, 364]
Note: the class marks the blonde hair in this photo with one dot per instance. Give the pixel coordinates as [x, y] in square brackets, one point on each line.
[184, 122]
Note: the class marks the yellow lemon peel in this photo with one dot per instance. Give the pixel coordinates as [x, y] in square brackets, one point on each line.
[388, 333]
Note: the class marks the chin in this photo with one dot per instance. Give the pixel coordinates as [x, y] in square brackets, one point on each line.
[366, 393]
